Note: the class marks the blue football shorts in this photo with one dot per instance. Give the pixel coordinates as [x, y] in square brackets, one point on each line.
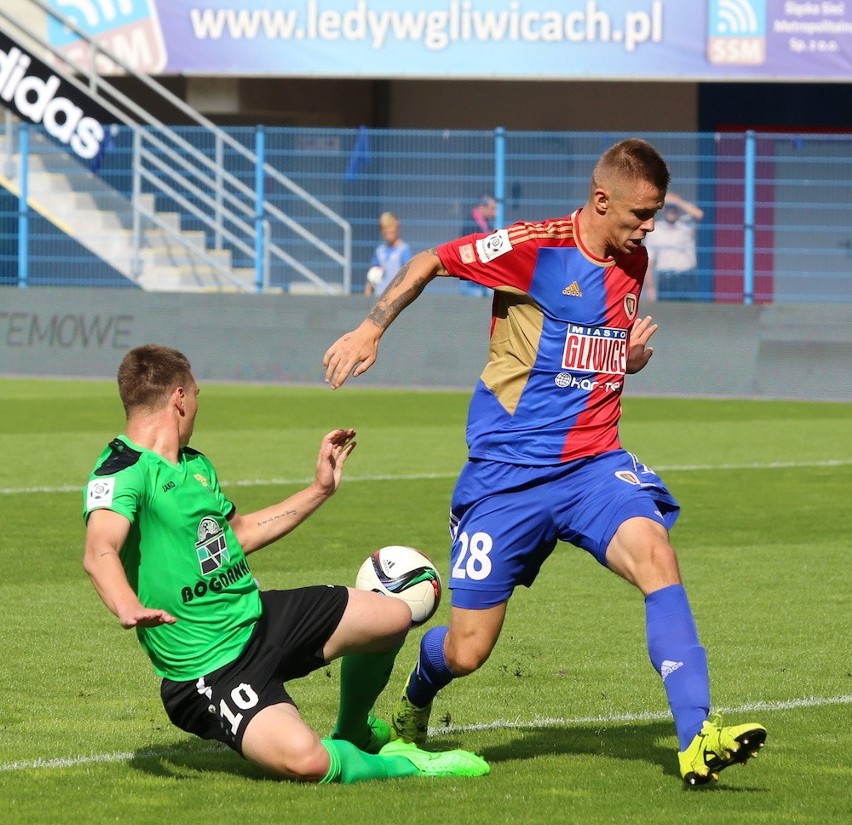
[505, 519]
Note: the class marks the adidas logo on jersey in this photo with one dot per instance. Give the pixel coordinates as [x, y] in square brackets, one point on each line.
[573, 289]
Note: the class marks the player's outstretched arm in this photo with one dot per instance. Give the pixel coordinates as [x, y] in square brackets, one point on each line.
[638, 351]
[258, 529]
[106, 532]
[356, 351]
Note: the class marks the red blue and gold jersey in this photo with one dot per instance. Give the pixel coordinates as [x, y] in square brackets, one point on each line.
[561, 320]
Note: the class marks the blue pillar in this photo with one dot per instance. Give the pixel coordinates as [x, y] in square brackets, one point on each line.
[748, 228]
[260, 153]
[23, 207]
[499, 174]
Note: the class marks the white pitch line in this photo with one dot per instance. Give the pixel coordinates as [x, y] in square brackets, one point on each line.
[645, 716]
[500, 724]
[258, 482]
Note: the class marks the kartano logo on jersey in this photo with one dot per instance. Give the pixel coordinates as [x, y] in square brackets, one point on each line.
[564, 380]
[40, 96]
[99, 493]
[211, 547]
[595, 349]
[495, 245]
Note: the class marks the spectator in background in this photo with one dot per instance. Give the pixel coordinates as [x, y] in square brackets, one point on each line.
[388, 257]
[481, 216]
[672, 257]
[481, 221]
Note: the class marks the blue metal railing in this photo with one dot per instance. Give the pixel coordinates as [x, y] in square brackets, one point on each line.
[776, 224]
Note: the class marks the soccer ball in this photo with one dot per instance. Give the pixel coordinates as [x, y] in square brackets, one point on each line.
[405, 573]
[375, 275]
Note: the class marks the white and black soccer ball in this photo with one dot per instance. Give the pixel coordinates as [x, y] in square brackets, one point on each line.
[406, 573]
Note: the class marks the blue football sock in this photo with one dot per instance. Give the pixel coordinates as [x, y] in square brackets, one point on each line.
[431, 673]
[679, 658]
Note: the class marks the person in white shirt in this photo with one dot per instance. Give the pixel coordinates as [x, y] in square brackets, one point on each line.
[388, 257]
[672, 257]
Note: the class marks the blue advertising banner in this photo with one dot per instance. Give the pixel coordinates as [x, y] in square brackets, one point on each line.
[471, 39]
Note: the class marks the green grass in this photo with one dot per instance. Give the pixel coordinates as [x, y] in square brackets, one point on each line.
[567, 710]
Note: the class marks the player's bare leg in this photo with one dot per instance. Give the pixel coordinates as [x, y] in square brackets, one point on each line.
[445, 653]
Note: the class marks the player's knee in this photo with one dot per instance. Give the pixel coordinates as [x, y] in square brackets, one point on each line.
[641, 553]
[465, 659]
[660, 560]
[302, 765]
[398, 618]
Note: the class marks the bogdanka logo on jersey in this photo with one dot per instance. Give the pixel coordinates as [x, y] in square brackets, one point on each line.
[213, 555]
[211, 547]
[595, 349]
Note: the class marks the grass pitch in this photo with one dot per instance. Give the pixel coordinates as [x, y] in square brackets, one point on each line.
[568, 710]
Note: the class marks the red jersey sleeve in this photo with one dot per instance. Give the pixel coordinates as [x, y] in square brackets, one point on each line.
[505, 258]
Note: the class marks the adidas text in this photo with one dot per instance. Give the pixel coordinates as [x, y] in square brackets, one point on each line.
[35, 99]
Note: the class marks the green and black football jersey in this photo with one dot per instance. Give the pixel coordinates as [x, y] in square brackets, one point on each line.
[180, 555]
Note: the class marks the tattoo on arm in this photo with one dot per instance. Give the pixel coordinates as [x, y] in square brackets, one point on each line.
[385, 310]
[285, 514]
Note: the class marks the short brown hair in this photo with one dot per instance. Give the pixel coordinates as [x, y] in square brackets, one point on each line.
[632, 159]
[149, 373]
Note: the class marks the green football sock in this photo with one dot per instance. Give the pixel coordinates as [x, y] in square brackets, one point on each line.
[363, 676]
[349, 764]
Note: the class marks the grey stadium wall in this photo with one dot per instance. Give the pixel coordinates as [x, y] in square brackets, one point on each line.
[799, 351]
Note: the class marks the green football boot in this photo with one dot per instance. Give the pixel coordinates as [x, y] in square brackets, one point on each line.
[380, 733]
[715, 748]
[410, 723]
[440, 763]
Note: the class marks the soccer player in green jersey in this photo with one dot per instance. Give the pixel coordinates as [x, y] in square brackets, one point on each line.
[166, 552]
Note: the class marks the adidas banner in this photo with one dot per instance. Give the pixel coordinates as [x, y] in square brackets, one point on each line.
[39, 95]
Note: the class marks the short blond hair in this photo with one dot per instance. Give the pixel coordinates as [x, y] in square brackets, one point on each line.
[388, 219]
[632, 160]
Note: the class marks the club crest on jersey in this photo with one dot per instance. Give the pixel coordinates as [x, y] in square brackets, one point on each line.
[595, 349]
[631, 303]
[493, 246]
[211, 547]
[629, 477]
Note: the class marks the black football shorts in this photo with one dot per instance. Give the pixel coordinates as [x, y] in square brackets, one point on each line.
[287, 644]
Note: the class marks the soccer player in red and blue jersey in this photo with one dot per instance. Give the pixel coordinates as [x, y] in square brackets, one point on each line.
[545, 462]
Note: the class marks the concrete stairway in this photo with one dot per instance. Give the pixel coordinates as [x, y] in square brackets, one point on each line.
[164, 257]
